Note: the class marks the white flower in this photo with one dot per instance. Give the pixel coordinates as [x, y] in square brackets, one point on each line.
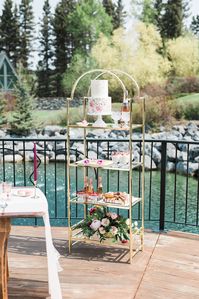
[95, 225]
[128, 221]
[135, 223]
[114, 216]
[114, 230]
[102, 230]
[105, 222]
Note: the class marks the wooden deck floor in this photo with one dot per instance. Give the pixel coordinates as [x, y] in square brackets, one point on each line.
[168, 268]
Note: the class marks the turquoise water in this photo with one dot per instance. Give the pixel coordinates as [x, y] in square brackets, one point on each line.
[55, 180]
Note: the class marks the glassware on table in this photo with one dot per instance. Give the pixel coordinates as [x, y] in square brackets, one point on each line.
[116, 115]
[126, 118]
[7, 190]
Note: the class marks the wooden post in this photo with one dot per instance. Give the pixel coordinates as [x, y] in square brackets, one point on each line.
[4, 234]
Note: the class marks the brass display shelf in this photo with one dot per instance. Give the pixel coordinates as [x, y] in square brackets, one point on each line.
[108, 167]
[75, 234]
[135, 200]
[108, 127]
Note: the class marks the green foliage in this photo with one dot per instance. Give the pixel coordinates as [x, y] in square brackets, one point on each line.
[142, 61]
[9, 31]
[26, 30]
[195, 25]
[191, 111]
[44, 70]
[109, 225]
[144, 10]
[116, 12]
[63, 41]
[3, 119]
[22, 121]
[183, 53]
[79, 65]
[86, 23]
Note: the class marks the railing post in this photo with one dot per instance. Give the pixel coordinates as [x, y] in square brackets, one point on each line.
[163, 185]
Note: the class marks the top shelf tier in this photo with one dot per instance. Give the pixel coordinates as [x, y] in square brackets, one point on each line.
[108, 127]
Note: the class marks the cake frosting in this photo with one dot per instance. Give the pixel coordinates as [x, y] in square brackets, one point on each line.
[99, 88]
[99, 103]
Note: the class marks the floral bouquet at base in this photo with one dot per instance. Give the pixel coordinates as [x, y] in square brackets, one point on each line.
[106, 225]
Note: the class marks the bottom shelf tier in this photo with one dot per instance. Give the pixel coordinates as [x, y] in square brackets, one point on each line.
[79, 237]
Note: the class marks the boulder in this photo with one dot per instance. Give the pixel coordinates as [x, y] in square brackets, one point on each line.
[149, 164]
[11, 158]
[170, 166]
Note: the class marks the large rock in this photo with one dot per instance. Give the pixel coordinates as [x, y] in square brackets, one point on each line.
[11, 158]
[149, 164]
[192, 168]
[170, 166]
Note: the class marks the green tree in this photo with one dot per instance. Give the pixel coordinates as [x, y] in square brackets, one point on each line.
[144, 10]
[170, 17]
[195, 25]
[9, 31]
[87, 21]
[3, 119]
[26, 30]
[116, 12]
[79, 65]
[46, 43]
[120, 15]
[22, 120]
[63, 41]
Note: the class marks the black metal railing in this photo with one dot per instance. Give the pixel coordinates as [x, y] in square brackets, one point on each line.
[171, 199]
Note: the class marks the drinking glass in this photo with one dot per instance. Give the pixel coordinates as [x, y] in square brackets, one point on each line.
[116, 117]
[7, 189]
[126, 118]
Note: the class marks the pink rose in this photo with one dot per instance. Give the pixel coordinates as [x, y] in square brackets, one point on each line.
[114, 230]
[102, 230]
[105, 222]
[114, 216]
[95, 225]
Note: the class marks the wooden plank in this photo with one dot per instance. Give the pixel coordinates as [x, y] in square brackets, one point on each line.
[168, 267]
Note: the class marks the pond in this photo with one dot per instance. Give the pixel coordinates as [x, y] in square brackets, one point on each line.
[181, 205]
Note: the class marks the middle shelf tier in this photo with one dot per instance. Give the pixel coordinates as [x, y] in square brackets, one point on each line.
[104, 164]
[102, 203]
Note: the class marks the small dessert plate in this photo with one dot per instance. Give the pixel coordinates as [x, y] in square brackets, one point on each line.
[23, 192]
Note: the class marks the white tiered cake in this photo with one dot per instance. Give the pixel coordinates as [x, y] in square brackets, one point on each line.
[99, 103]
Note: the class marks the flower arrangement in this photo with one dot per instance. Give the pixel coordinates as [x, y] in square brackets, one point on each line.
[105, 225]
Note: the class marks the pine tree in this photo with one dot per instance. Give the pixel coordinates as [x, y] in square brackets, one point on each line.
[9, 31]
[16, 37]
[26, 30]
[63, 42]
[22, 119]
[110, 9]
[195, 25]
[120, 15]
[3, 119]
[170, 17]
[46, 43]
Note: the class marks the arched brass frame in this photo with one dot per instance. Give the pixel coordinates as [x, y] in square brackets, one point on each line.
[115, 73]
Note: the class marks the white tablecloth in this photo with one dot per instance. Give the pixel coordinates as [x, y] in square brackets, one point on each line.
[19, 205]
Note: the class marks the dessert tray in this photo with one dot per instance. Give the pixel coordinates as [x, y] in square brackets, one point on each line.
[94, 163]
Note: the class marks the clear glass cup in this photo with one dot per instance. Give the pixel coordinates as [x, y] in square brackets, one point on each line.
[126, 118]
[116, 115]
[7, 190]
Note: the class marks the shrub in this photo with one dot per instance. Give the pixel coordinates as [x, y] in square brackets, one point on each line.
[158, 111]
[191, 111]
[179, 85]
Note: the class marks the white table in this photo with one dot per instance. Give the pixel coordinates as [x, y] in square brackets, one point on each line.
[30, 206]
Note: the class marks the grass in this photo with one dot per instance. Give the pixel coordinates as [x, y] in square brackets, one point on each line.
[188, 99]
[58, 117]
